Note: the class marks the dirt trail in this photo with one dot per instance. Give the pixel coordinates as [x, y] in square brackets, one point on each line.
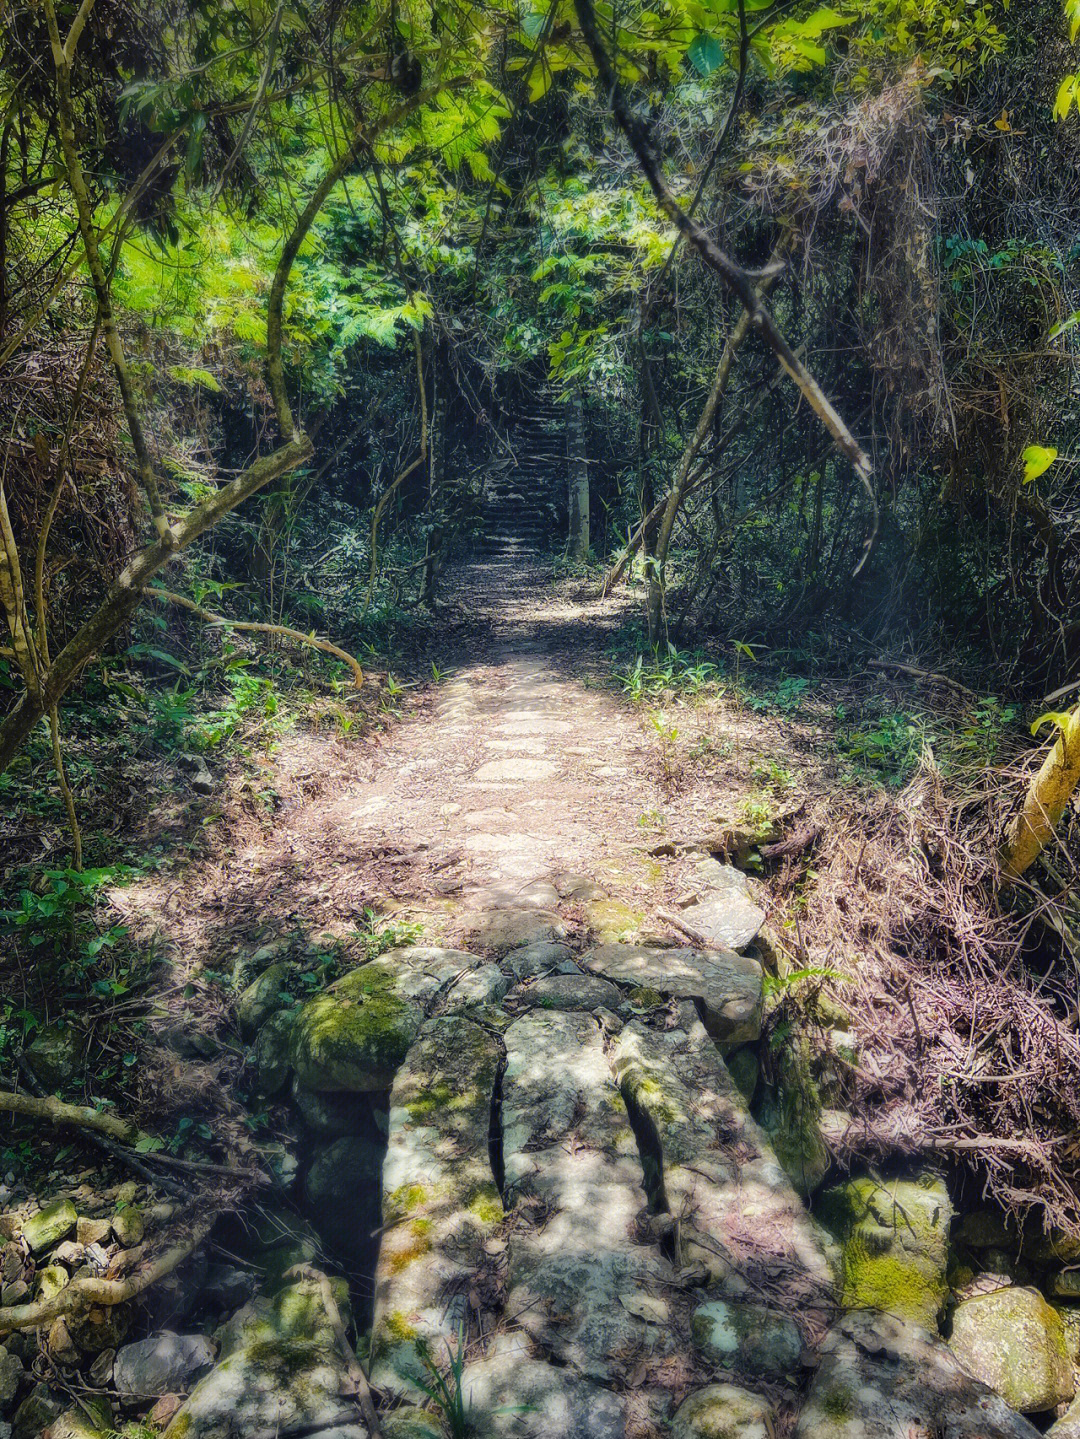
[517, 763]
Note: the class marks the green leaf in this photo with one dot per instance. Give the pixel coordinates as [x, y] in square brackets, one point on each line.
[1037, 460]
[1063, 326]
[1054, 717]
[147, 1144]
[1066, 95]
[705, 53]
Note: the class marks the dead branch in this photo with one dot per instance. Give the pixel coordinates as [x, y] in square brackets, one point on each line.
[82, 1293]
[352, 1364]
[930, 676]
[55, 1111]
[280, 631]
[402, 476]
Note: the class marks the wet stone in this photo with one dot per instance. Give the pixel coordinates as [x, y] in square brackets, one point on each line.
[164, 1363]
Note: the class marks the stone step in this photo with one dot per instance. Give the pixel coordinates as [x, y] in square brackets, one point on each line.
[714, 1171]
[440, 1201]
[571, 1160]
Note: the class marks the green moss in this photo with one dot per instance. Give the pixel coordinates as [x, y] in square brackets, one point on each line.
[837, 1403]
[439, 1096]
[404, 1200]
[408, 1252]
[399, 1328]
[355, 1035]
[894, 1244]
[485, 1203]
[641, 1091]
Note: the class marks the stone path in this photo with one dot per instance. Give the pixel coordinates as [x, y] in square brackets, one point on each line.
[582, 1227]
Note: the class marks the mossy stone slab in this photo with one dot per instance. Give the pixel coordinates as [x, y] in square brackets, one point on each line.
[56, 1221]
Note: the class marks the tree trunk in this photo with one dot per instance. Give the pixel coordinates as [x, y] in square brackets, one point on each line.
[578, 480]
[1048, 793]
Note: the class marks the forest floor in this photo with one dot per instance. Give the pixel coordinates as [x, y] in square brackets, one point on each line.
[514, 800]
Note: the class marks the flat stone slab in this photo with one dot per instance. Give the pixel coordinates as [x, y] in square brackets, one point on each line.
[500, 930]
[880, 1377]
[439, 1202]
[567, 1143]
[517, 769]
[728, 985]
[727, 914]
[738, 1213]
[511, 1392]
[567, 991]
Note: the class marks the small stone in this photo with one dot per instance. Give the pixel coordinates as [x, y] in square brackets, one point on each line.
[100, 1327]
[61, 1345]
[101, 1370]
[727, 986]
[93, 1419]
[55, 1055]
[37, 1411]
[723, 1411]
[71, 1253]
[501, 930]
[92, 1231]
[1015, 1342]
[49, 1225]
[164, 1410]
[129, 1226]
[1066, 1284]
[272, 1062]
[263, 997]
[164, 1363]
[532, 960]
[14, 1292]
[727, 915]
[50, 1281]
[567, 991]
[12, 1374]
[987, 1229]
[1068, 1426]
[748, 1337]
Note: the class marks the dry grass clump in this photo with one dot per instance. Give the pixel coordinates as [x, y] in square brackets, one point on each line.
[967, 994]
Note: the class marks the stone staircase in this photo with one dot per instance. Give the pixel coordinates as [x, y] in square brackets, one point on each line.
[524, 488]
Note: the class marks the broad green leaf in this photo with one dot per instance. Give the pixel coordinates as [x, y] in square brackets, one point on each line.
[1037, 460]
[705, 53]
[1066, 95]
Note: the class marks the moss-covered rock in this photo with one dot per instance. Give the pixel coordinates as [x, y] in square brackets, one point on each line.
[789, 1111]
[55, 1054]
[49, 1225]
[263, 997]
[893, 1243]
[1016, 1343]
[748, 1337]
[723, 1411]
[279, 1369]
[273, 1052]
[355, 1035]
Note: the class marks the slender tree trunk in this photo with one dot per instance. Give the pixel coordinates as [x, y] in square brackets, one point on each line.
[1048, 793]
[436, 484]
[578, 480]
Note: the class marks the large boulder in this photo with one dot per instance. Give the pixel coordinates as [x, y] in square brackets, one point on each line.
[355, 1034]
[1016, 1343]
[894, 1242]
[882, 1378]
[280, 1369]
[513, 1394]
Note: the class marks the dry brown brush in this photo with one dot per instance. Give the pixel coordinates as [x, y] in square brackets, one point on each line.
[967, 1029]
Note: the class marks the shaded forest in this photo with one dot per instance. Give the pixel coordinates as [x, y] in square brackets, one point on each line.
[451, 452]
